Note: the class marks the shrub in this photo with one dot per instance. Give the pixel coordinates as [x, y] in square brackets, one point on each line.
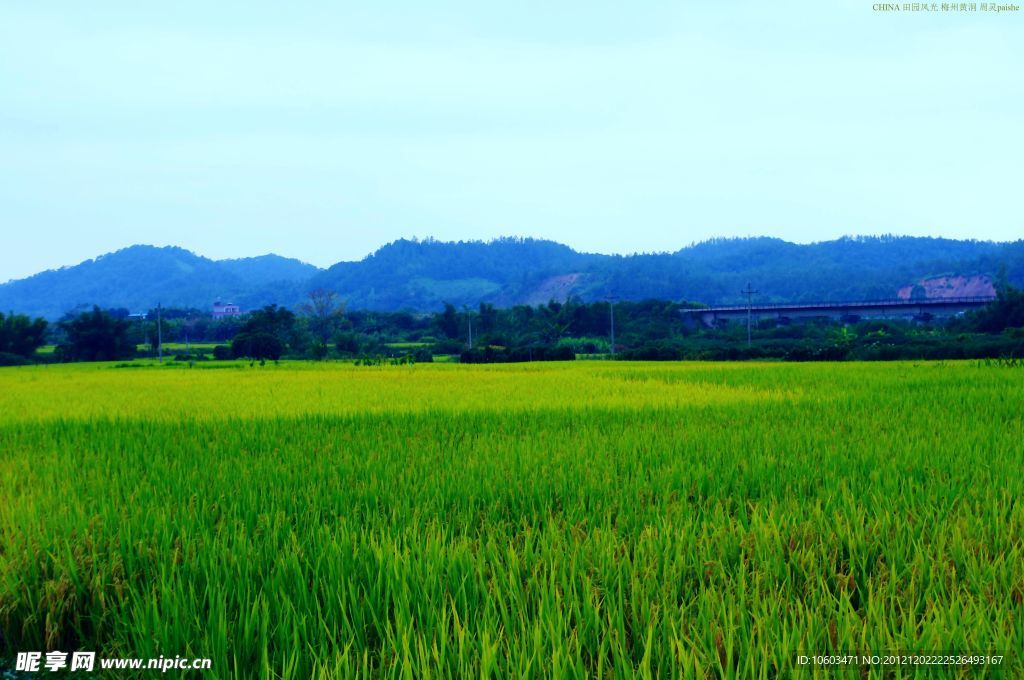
[11, 359]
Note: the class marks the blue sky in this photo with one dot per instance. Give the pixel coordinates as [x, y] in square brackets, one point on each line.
[321, 130]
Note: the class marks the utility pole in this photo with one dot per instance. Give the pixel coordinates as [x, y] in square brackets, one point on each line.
[750, 293]
[188, 337]
[159, 334]
[611, 317]
[469, 321]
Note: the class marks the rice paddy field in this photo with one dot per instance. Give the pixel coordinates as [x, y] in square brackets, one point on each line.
[588, 519]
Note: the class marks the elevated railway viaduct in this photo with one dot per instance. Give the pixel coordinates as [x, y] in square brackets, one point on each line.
[847, 312]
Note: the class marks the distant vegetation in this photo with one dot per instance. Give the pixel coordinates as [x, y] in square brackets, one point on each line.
[420, 276]
[140, 277]
[95, 336]
[323, 329]
[20, 337]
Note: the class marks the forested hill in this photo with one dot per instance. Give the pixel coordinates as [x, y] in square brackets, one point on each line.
[422, 275]
[139, 277]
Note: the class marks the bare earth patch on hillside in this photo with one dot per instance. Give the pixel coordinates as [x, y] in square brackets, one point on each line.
[556, 288]
[951, 287]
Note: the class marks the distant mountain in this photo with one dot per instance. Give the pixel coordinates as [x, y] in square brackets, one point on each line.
[139, 277]
[422, 275]
[268, 269]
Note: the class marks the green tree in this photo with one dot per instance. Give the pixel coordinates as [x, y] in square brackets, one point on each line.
[21, 335]
[277, 322]
[257, 345]
[1006, 311]
[488, 318]
[448, 322]
[558, 320]
[324, 314]
[95, 336]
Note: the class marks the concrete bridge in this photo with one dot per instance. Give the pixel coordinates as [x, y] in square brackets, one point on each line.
[847, 312]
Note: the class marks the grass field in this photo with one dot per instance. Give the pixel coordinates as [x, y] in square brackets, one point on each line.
[183, 346]
[591, 519]
[169, 347]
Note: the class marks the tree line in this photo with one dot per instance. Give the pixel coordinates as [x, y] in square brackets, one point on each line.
[322, 329]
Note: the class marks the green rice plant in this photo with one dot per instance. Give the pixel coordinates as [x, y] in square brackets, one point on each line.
[588, 519]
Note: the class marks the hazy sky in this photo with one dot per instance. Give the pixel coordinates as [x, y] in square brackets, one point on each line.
[321, 130]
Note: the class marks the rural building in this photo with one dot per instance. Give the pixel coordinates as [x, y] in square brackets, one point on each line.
[222, 309]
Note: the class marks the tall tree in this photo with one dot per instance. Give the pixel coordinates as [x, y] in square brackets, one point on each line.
[266, 334]
[449, 321]
[1006, 311]
[273, 320]
[325, 316]
[96, 336]
[488, 318]
[257, 345]
[21, 335]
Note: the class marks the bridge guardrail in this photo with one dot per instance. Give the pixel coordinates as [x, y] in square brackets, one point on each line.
[850, 304]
